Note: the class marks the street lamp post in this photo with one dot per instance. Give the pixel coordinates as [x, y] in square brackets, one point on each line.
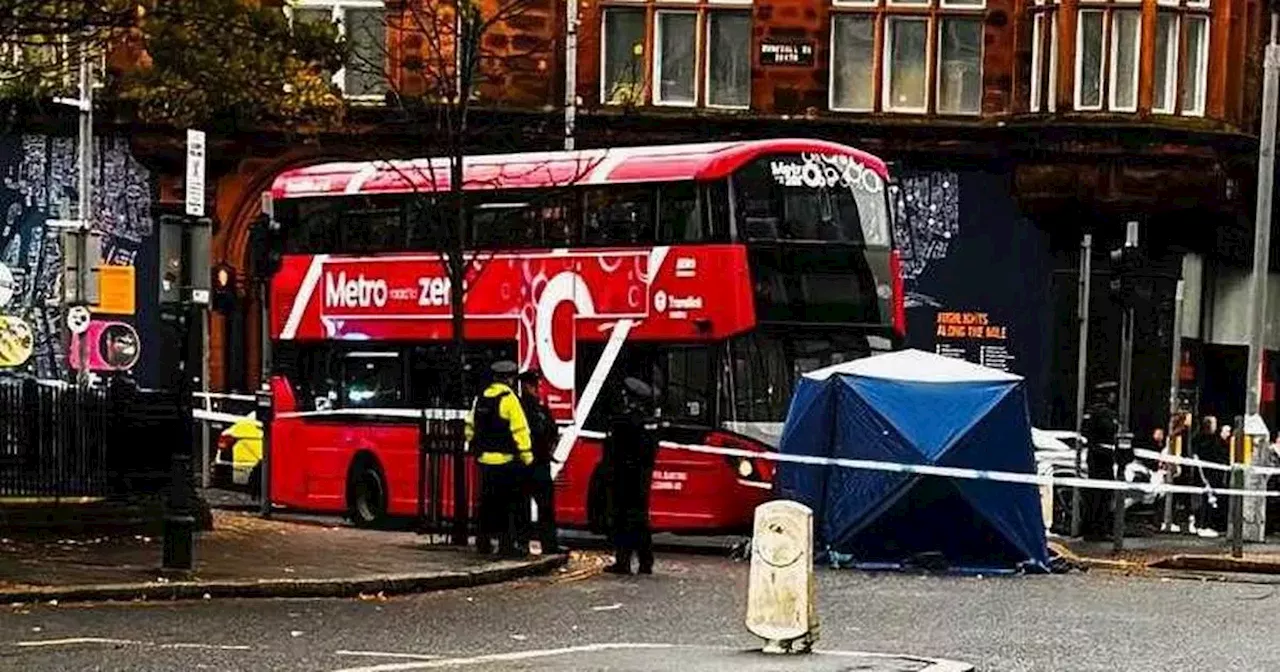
[1255, 508]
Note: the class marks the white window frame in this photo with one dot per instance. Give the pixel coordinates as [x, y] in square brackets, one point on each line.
[657, 57]
[831, 70]
[1198, 4]
[908, 3]
[855, 3]
[887, 63]
[982, 48]
[1202, 73]
[338, 14]
[1053, 59]
[1079, 64]
[1172, 76]
[729, 3]
[1113, 48]
[706, 76]
[1037, 57]
[952, 4]
[604, 46]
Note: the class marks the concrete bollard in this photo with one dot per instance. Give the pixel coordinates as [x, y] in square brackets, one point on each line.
[780, 594]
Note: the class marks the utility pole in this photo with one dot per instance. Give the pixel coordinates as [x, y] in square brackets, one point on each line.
[1127, 260]
[81, 227]
[86, 198]
[1082, 368]
[1255, 509]
[1178, 301]
[570, 73]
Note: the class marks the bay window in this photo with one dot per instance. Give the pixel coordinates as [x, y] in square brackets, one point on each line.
[362, 23]
[1123, 77]
[700, 54]
[1195, 64]
[1110, 49]
[1044, 56]
[1166, 67]
[853, 46]
[924, 55]
[960, 66]
[1090, 40]
[906, 64]
[729, 59]
[675, 60]
[622, 56]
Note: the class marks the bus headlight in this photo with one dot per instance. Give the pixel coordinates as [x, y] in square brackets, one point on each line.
[745, 468]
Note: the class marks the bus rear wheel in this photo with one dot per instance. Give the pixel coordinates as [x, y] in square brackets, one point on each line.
[366, 495]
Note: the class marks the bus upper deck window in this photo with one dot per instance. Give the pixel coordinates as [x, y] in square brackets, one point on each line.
[679, 219]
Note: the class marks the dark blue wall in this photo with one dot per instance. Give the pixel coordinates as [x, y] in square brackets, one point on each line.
[977, 270]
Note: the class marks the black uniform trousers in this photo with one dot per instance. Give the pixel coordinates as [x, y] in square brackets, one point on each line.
[1096, 519]
[633, 537]
[543, 491]
[500, 486]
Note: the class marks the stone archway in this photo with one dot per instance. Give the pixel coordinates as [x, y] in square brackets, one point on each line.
[237, 204]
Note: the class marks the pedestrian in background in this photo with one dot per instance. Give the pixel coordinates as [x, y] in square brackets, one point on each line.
[498, 433]
[630, 448]
[543, 434]
[1184, 505]
[1099, 429]
[1209, 446]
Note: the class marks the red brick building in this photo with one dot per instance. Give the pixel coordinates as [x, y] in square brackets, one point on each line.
[1027, 122]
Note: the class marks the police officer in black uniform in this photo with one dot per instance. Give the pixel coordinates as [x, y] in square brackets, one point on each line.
[630, 447]
[543, 432]
[1099, 428]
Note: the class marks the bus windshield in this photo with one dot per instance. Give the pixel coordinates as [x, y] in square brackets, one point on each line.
[811, 197]
[762, 368]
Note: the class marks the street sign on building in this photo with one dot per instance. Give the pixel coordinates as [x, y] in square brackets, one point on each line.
[195, 173]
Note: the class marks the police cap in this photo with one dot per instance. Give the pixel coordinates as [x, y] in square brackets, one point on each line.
[637, 387]
[504, 368]
[530, 376]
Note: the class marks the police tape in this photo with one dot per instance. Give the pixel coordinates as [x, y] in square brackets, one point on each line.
[964, 473]
[1204, 464]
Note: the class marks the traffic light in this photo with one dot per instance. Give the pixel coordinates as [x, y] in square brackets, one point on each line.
[224, 288]
[1125, 264]
[266, 247]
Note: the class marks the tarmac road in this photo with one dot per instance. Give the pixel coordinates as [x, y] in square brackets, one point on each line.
[1077, 622]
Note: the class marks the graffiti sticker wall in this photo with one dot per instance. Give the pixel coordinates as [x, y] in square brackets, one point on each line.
[40, 180]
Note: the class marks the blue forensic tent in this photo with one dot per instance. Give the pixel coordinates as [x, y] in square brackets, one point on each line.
[915, 407]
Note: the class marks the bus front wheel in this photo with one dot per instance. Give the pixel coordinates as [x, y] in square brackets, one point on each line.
[366, 494]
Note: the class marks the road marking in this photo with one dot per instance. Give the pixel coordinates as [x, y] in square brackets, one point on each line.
[934, 664]
[73, 641]
[501, 657]
[386, 654]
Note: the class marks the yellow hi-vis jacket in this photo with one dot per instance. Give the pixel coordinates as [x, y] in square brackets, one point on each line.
[509, 409]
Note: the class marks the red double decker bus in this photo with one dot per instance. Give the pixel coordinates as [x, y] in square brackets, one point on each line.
[718, 272]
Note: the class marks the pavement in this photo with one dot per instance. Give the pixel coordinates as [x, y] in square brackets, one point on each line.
[686, 618]
[246, 556]
[1173, 552]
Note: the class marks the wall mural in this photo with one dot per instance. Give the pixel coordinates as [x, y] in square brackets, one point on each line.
[40, 180]
[975, 272]
[926, 219]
